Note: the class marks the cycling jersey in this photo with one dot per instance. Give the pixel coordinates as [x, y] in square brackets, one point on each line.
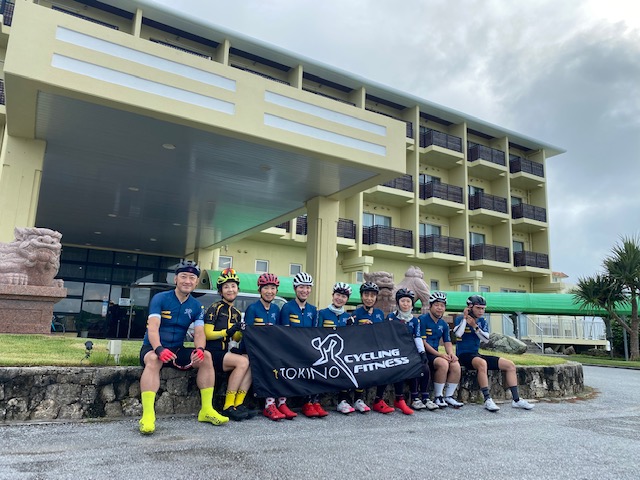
[292, 315]
[470, 342]
[328, 319]
[361, 313]
[256, 314]
[175, 317]
[217, 319]
[413, 325]
[432, 331]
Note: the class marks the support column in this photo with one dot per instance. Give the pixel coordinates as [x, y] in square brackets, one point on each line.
[20, 178]
[322, 224]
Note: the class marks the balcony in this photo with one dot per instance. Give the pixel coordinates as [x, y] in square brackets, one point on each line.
[442, 199]
[486, 162]
[531, 259]
[409, 125]
[441, 250]
[484, 251]
[346, 228]
[528, 218]
[301, 225]
[397, 237]
[441, 149]
[488, 209]
[525, 173]
[397, 192]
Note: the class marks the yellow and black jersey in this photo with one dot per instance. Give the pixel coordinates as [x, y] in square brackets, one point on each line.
[218, 318]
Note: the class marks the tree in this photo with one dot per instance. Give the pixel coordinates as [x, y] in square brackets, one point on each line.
[618, 286]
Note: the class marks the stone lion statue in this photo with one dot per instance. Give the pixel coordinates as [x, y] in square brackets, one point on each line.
[33, 258]
[386, 301]
[414, 280]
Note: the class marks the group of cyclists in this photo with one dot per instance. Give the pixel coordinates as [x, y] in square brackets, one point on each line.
[218, 346]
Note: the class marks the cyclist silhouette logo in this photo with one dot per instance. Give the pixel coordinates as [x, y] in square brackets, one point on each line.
[330, 349]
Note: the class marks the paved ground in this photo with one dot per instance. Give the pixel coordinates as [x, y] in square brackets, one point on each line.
[584, 439]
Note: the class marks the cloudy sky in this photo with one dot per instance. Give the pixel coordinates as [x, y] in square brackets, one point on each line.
[563, 72]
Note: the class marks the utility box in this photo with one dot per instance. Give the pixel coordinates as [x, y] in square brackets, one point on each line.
[115, 349]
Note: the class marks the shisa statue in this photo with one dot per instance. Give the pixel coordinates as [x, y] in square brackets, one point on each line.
[414, 280]
[33, 258]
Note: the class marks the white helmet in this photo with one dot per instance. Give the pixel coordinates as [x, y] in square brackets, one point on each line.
[342, 288]
[438, 297]
[302, 278]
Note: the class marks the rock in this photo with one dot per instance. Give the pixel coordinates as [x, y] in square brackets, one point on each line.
[505, 344]
[569, 351]
[549, 351]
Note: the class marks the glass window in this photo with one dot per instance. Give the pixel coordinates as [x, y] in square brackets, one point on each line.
[371, 219]
[69, 270]
[359, 277]
[96, 292]
[74, 289]
[73, 254]
[518, 246]
[476, 238]
[225, 262]
[148, 261]
[95, 272]
[294, 268]
[169, 263]
[424, 179]
[466, 287]
[68, 305]
[516, 201]
[434, 285]
[429, 229]
[101, 256]
[475, 190]
[262, 266]
[126, 259]
[484, 289]
[124, 276]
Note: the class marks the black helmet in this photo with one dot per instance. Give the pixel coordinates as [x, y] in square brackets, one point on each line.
[403, 292]
[476, 300]
[188, 266]
[369, 287]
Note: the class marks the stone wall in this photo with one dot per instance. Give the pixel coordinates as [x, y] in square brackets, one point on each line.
[50, 393]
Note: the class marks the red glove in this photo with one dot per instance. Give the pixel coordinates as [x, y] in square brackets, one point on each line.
[164, 354]
[198, 354]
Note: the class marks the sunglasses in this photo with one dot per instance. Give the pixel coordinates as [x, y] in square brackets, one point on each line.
[181, 367]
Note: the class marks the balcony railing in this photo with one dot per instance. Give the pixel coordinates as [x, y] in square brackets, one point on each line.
[409, 128]
[489, 202]
[519, 164]
[404, 182]
[480, 152]
[484, 251]
[2, 99]
[286, 225]
[346, 228]
[440, 244]
[398, 237]
[444, 191]
[301, 225]
[6, 9]
[530, 259]
[524, 210]
[433, 137]
[84, 17]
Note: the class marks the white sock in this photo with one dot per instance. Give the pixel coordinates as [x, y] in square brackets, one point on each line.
[437, 389]
[269, 401]
[282, 400]
[451, 389]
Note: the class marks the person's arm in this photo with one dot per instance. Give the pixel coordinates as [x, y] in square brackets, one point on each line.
[153, 331]
[461, 325]
[482, 332]
[209, 326]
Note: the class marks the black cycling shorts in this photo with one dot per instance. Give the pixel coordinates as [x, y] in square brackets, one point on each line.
[466, 358]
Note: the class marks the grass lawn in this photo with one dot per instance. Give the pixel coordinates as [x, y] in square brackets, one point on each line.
[615, 362]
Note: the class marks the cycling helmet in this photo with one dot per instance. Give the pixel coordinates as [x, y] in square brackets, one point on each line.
[227, 275]
[403, 292]
[188, 266]
[302, 278]
[369, 287]
[268, 279]
[476, 300]
[342, 288]
[438, 297]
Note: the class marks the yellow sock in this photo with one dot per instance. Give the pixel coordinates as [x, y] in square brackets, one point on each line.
[240, 398]
[148, 420]
[206, 397]
[229, 399]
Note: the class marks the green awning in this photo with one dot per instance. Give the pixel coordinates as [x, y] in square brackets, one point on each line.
[497, 302]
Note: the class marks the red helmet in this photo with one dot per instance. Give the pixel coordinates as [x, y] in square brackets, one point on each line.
[268, 279]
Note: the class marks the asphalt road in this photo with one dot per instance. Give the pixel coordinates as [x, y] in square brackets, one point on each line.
[596, 438]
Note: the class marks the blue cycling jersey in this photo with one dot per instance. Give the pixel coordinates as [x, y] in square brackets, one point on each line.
[470, 343]
[361, 313]
[413, 325]
[292, 315]
[175, 317]
[256, 314]
[328, 319]
[432, 331]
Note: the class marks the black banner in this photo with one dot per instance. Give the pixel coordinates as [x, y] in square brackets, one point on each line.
[290, 361]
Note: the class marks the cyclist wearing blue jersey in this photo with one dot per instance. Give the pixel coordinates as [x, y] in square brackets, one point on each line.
[170, 315]
[300, 313]
[445, 366]
[471, 328]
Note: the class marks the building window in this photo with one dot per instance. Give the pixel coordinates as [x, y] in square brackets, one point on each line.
[515, 201]
[434, 285]
[262, 266]
[359, 277]
[466, 287]
[476, 238]
[518, 246]
[475, 190]
[371, 219]
[424, 179]
[484, 289]
[225, 262]
[427, 229]
[512, 290]
[294, 268]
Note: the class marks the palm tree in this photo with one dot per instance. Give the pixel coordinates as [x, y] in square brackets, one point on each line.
[619, 285]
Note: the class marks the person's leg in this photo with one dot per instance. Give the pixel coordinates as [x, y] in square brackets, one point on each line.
[343, 403]
[480, 365]
[440, 373]
[149, 385]
[399, 402]
[379, 405]
[205, 379]
[511, 376]
[238, 365]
